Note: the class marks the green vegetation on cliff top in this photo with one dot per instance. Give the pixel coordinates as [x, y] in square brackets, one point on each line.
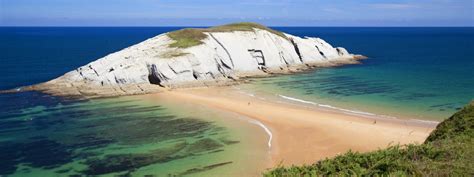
[448, 151]
[193, 36]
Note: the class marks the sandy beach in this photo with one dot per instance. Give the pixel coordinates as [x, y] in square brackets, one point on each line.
[301, 135]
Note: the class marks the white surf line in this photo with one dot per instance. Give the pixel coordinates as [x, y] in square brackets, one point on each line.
[256, 122]
[296, 99]
[333, 107]
[426, 121]
[239, 90]
[249, 94]
[354, 112]
[269, 133]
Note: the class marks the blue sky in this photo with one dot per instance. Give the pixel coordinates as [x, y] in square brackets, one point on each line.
[213, 12]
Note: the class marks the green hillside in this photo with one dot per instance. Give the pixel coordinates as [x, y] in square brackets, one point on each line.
[448, 151]
[190, 37]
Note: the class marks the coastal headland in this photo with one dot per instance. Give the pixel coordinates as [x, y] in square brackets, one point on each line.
[202, 67]
[221, 55]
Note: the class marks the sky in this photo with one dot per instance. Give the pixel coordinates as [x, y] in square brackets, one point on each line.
[215, 12]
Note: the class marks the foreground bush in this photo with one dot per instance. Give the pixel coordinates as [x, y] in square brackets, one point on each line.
[448, 151]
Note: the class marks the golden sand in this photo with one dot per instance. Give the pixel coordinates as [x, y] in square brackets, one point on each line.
[302, 135]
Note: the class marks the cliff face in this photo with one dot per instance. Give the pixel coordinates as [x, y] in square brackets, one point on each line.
[219, 58]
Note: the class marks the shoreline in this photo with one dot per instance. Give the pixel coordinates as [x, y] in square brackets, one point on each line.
[360, 113]
[288, 125]
[327, 107]
[84, 90]
[265, 128]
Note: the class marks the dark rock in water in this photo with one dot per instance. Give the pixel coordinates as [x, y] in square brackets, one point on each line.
[63, 170]
[124, 162]
[9, 158]
[41, 153]
[209, 167]
[84, 132]
[228, 142]
[45, 154]
[203, 145]
[76, 175]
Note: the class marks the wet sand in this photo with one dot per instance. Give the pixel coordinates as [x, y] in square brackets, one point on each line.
[301, 135]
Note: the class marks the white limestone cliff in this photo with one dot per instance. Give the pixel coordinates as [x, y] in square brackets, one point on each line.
[222, 56]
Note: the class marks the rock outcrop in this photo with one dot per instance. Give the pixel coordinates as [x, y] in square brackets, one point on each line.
[222, 57]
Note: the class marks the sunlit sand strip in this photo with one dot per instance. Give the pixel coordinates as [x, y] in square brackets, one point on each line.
[303, 135]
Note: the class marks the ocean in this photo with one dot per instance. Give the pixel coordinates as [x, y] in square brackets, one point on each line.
[414, 73]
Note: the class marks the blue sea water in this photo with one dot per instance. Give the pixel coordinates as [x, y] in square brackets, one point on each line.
[31, 55]
[42, 135]
[424, 73]
[421, 73]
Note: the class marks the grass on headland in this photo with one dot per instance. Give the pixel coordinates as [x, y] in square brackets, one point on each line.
[190, 37]
[244, 26]
[172, 54]
[448, 151]
[186, 37]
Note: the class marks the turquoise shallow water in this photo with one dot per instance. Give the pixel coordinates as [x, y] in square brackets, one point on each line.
[422, 73]
[41, 135]
[47, 136]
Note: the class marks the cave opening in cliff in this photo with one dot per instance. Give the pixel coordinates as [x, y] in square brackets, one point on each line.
[154, 80]
[153, 76]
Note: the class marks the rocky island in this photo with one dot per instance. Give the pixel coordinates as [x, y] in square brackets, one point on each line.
[196, 57]
[182, 88]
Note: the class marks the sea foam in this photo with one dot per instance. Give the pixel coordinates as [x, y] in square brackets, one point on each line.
[333, 107]
[269, 133]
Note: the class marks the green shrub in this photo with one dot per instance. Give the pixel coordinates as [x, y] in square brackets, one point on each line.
[190, 37]
[448, 151]
[460, 123]
[186, 37]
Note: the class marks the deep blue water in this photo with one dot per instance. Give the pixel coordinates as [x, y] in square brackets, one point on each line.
[422, 73]
[407, 66]
[33, 55]
[425, 72]
[41, 135]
